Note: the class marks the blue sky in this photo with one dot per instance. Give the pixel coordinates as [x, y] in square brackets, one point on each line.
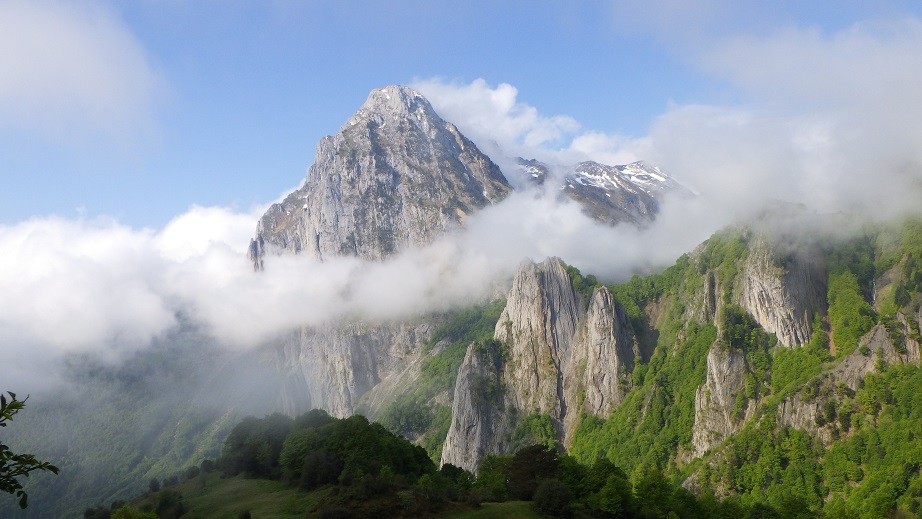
[140, 142]
[222, 103]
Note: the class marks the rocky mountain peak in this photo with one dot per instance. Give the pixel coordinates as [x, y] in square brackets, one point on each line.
[629, 193]
[390, 102]
[396, 175]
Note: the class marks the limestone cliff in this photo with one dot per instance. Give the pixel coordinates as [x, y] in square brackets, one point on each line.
[717, 415]
[783, 291]
[559, 360]
[813, 409]
[537, 326]
[395, 175]
[338, 363]
[479, 422]
[597, 377]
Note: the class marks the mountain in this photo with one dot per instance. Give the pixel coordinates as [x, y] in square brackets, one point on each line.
[630, 193]
[780, 368]
[555, 354]
[753, 367]
[395, 175]
[777, 367]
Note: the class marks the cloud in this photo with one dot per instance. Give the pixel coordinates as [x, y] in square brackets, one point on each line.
[76, 286]
[503, 126]
[829, 119]
[97, 285]
[68, 70]
[833, 121]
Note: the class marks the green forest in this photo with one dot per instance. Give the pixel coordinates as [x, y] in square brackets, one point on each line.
[859, 456]
[353, 468]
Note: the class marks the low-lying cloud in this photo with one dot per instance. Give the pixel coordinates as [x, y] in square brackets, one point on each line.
[830, 120]
[96, 285]
[73, 286]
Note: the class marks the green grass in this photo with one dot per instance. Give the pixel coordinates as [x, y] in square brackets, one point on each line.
[211, 496]
[507, 510]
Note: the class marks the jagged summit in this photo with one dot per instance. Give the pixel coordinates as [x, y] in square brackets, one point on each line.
[392, 101]
[610, 194]
[396, 175]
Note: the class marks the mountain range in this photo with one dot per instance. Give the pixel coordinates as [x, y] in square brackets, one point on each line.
[767, 363]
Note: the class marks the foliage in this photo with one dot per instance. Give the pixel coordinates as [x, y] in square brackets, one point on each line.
[582, 285]
[371, 471]
[792, 367]
[724, 254]
[119, 425]
[349, 448]
[254, 445]
[655, 420]
[850, 315]
[12, 465]
[552, 498]
[528, 467]
[414, 412]
[129, 512]
[321, 467]
[536, 428]
[638, 291]
[559, 486]
[470, 324]
[169, 504]
[492, 481]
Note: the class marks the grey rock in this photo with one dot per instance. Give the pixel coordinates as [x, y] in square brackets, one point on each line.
[560, 360]
[597, 377]
[630, 193]
[479, 421]
[801, 409]
[395, 175]
[339, 363]
[537, 326]
[783, 291]
[716, 416]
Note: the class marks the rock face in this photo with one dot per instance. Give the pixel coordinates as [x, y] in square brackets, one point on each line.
[783, 291]
[560, 360]
[809, 410]
[479, 421]
[537, 326]
[597, 376]
[395, 175]
[629, 193]
[716, 415]
[338, 363]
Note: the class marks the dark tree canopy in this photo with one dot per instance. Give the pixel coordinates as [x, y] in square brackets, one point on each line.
[13, 465]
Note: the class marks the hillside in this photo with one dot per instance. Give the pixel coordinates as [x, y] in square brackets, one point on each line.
[776, 363]
[757, 387]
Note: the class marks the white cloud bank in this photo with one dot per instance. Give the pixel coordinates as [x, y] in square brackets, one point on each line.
[833, 121]
[72, 69]
[499, 123]
[97, 285]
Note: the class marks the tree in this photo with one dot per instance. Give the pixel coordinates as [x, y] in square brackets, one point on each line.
[528, 467]
[13, 465]
[552, 498]
[129, 512]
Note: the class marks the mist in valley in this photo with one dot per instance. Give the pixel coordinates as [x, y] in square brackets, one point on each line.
[159, 339]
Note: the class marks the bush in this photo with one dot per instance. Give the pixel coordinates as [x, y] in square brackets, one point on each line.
[528, 467]
[553, 498]
[321, 467]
